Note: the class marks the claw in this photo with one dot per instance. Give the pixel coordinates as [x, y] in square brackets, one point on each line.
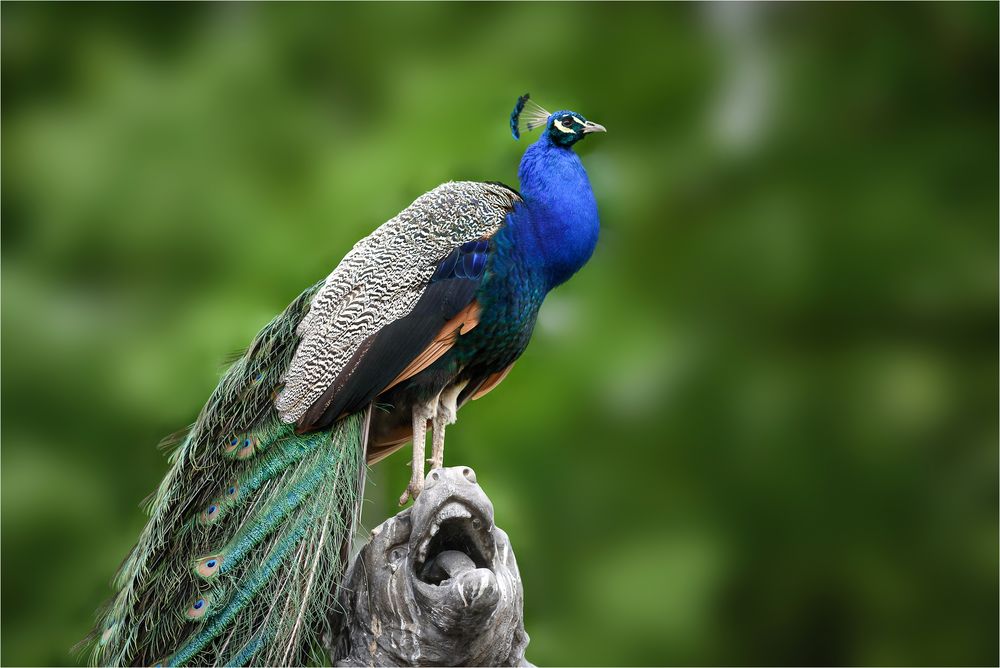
[412, 491]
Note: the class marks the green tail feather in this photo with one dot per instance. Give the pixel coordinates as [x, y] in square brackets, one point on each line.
[284, 593]
[239, 562]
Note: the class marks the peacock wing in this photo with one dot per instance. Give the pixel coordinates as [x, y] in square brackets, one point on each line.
[394, 302]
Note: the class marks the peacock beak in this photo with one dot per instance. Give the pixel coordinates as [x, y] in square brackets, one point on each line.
[590, 126]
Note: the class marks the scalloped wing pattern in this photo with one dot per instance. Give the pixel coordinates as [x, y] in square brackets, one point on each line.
[381, 279]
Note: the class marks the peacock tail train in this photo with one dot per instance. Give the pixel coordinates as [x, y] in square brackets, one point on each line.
[247, 531]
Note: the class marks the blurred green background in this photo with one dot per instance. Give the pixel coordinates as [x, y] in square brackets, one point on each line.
[760, 427]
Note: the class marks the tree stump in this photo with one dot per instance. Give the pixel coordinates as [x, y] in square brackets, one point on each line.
[437, 584]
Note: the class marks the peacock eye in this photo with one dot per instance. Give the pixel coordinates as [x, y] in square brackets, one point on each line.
[567, 121]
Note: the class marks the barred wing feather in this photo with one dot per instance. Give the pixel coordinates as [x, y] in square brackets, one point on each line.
[381, 280]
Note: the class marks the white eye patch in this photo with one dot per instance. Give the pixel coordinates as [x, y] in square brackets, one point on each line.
[561, 127]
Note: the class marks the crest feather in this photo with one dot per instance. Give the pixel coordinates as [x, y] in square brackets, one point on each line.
[527, 113]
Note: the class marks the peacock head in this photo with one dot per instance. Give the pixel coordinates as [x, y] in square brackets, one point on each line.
[563, 128]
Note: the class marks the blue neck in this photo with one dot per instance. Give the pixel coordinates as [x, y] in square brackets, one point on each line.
[562, 224]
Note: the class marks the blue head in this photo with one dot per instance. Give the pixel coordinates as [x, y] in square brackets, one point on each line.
[563, 128]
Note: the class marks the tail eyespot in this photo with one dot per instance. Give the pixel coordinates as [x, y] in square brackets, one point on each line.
[211, 513]
[247, 447]
[197, 609]
[209, 566]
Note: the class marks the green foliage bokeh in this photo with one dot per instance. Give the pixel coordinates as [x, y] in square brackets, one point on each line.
[758, 428]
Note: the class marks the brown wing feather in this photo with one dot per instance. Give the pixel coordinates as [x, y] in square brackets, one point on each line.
[463, 322]
[491, 382]
[388, 443]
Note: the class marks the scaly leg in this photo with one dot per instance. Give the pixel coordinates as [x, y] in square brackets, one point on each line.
[421, 414]
[447, 413]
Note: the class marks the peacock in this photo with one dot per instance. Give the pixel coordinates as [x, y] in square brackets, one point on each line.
[252, 523]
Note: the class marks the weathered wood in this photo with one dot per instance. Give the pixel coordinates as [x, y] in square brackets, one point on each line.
[437, 584]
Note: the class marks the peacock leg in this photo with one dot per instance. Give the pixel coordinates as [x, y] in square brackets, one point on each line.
[447, 413]
[422, 412]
